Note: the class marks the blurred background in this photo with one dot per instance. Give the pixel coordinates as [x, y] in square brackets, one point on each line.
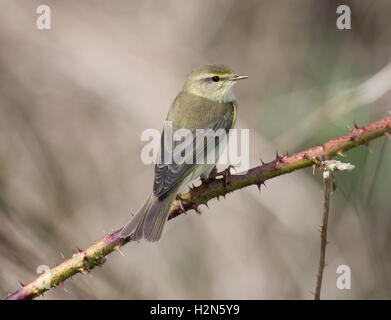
[75, 99]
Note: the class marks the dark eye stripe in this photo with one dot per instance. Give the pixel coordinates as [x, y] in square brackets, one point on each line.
[216, 78]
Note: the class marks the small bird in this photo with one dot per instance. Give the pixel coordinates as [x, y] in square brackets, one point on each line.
[205, 102]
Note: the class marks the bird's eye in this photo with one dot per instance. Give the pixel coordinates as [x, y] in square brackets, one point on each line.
[216, 78]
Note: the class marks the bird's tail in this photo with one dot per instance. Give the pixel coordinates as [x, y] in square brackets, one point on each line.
[150, 219]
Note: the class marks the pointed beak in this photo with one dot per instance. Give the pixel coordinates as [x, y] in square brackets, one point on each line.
[237, 77]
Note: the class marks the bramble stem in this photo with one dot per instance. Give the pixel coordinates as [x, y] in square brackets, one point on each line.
[95, 255]
[323, 231]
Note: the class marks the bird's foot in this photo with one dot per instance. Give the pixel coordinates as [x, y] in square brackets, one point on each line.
[212, 176]
[225, 174]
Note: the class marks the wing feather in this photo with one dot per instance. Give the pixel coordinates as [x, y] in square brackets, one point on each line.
[168, 175]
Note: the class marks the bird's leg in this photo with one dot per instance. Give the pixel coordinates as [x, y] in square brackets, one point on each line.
[211, 177]
[179, 198]
[225, 174]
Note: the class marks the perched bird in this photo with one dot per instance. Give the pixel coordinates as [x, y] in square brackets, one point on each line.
[205, 102]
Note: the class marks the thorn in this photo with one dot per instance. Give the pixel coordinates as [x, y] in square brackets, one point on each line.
[349, 128]
[369, 149]
[286, 153]
[195, 207]
[179, 199]
[313, 168]
[206, 205]
[355, 124]
[263, 163]
[340, 153]
[62, 286]
[278, 157]
[62, 256]
[259, 183]
[82, 270]
[21, 284]
[118, 248]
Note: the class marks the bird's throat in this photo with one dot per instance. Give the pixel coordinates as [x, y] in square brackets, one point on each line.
[227, 96]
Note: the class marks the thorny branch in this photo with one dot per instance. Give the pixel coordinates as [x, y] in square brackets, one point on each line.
[323, 231]
[326, 167]
[95, 255]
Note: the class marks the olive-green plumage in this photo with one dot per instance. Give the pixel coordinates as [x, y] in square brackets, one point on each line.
[205, 102]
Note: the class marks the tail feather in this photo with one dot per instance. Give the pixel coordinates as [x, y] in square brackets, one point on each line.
[150, 219]
[157, 216]
[134, 227]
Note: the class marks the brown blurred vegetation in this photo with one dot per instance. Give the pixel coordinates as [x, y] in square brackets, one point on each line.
[74, 101]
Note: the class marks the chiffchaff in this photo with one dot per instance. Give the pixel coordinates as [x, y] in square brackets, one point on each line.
[205, 102]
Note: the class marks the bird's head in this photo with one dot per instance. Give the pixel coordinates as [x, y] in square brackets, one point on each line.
[213, 82]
